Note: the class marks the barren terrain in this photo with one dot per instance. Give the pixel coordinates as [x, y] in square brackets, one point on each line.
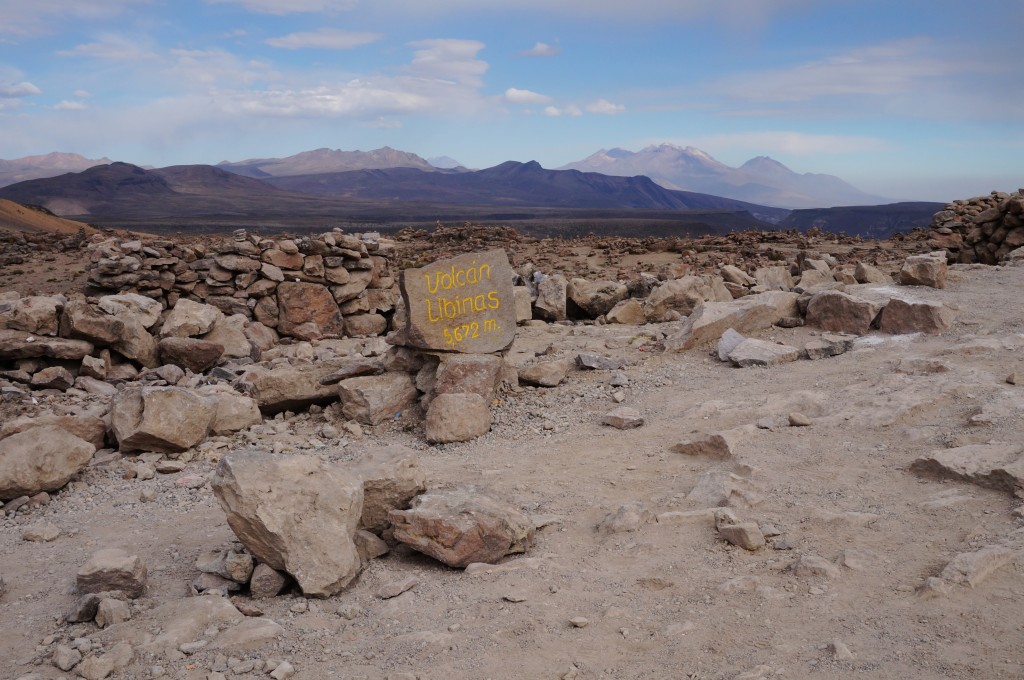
[667, 598]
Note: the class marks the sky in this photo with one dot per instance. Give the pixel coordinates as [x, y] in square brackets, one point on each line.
[906, 99]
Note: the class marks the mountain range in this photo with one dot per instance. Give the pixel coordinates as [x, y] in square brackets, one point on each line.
[48, 165]
[327, 160]
[760, 180]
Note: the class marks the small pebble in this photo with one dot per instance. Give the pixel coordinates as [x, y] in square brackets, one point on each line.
[799, 420]
[579, 622]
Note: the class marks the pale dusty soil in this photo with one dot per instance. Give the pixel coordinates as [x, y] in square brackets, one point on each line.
[662, 601]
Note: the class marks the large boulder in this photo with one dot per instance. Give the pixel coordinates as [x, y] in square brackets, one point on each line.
[996, 466]
[232, 411]
[113, 569]
[164, 419]
[594, 298]
[372, 399]
[629, 311]
[87, 427]
[841, 313]
[710, 319]
[296, 514]
[190, 353]
[189, 319]
[293, 387]
[551, 298]
[43, 458]
[461, 526]
[37, 314]
[469, 373]
[308, 311]
[391, 477]
[900, 317]
[924, 270]
[21, 345]
[146, 309]
[229, 332]
[81, 320]
[136, 342]
[679, 295]
[455, 417]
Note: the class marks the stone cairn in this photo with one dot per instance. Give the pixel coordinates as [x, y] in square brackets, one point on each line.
[982, 229]
[330, 285]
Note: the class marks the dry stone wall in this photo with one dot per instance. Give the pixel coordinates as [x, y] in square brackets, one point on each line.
[982, 229]
[330, 285]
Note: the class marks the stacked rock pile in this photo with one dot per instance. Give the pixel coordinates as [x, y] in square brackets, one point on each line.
[982, 229]
[331, 285]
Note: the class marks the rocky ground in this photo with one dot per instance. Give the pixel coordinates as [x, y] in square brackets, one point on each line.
[628, 576]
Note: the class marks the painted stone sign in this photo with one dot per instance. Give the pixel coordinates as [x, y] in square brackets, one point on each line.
[464, 304]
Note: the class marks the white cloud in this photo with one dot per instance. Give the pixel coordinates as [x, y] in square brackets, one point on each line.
[449, 59]
[12, 90]
[325, 38]
[67, 105]
[605, 107]
[210, 68]
[570, 110]
[81, 93]
[541, 50]
[43, 16]
[787, 142]
[113, 47]
[525, 97]
[290, 6]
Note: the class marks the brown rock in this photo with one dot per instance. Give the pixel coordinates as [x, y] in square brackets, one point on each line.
[746, 535]
[623, 418]
[469, 373]
[546, 373]
[594, 298]
[53, 378]
[308, 311]
[550, 304]
[463, 304]
[189, 318]
[710, 319]
[900, 317]
[42, 458]
[295, 514]
[457, 417]
[841, 313]
[20, 345]
[371, 400]
[189, 353]
[924, 270]
[462, 526]
[629, 312]
[266, 581]
[113, 569]
[365, 325]
[391, 478]
[165, 419]
[81, 320]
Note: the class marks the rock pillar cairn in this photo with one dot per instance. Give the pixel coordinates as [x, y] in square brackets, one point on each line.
[463, 304]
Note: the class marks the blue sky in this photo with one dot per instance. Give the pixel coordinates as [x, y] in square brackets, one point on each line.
[906, 99]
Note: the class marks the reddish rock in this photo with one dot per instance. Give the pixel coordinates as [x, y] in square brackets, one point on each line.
[308, 311]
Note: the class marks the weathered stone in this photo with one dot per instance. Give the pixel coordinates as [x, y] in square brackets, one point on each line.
[594, 298]
[189, 319]
[754, 352]
[623, 418]
[841, 313]
[900, 317]
[710, 319]
[523, 301]
[293, 387]
[550, 304]
[924, 270]
[164, 419]
[237, 263]
[721, 488]
[469, 373]
[396, 588]
[146, 310]
[828, 345]
[813, 280]
[371, 400]
[232, 411]
[746, 535]
[713, 445]
[43, 458]
[83, 609]
[369, 546]
[995, 466]
[281, 259]
[546, 373]
[112, 611]
[93, 367]
[865, 273]
[365, 325]
[774, 278]
[65, 658]
[308, 311]
[295, 514]
[457, 417]
[463, 304]
[679, 295]
[266, 581]
[35, 314]
[247, 635]
[733, 274]
[813, 565]
[629, 517]
[52, 378]
[462, 526]
[190, 353]
[40, 533]
[136, 342]
[81, 320]
[971, 568]
[729, 341]
[20, 345]
[357, 283]
[229, 332]
[113, 569]
[628, 312]
[391, 478]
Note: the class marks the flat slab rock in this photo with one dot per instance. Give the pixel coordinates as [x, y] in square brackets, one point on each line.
[461, 526]
[995, 466]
